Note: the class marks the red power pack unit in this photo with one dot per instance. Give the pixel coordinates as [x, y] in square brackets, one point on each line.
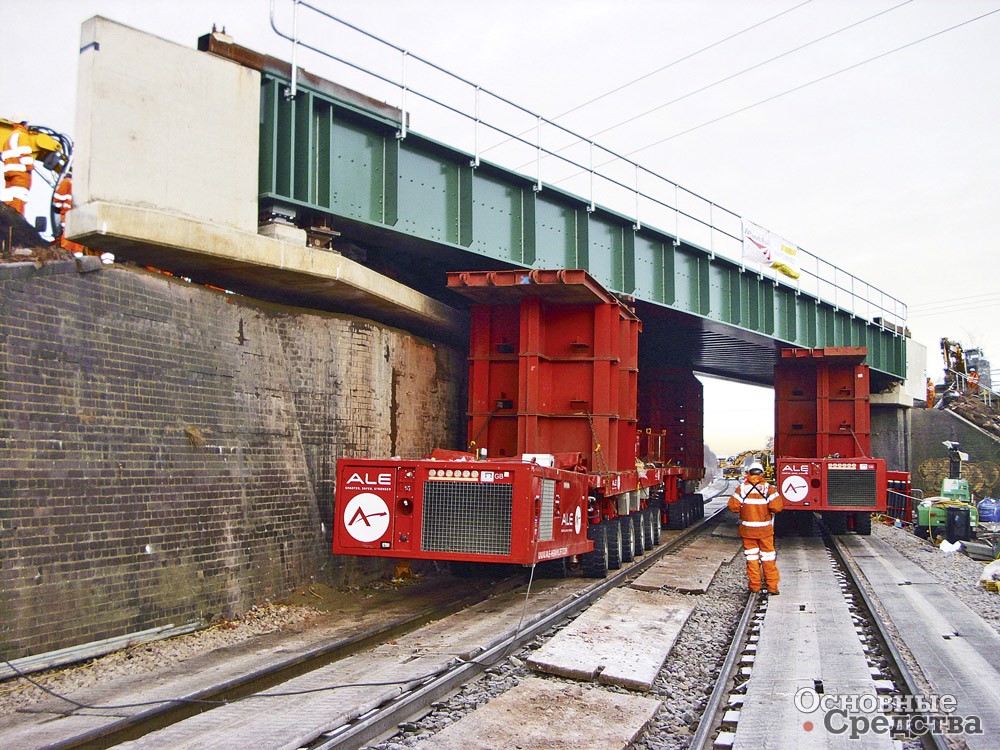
[822, 437]
[508, 512]
[553, 468]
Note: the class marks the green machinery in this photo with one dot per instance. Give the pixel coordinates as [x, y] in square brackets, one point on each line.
[955, 500]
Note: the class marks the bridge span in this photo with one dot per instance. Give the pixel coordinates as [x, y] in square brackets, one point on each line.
[332, 171]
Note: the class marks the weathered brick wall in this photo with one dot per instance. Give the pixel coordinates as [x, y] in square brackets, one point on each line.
[167, 452]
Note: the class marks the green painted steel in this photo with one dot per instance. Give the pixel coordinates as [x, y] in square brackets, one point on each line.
[332, 157]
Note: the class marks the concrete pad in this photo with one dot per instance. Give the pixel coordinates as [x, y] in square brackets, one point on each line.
[623, 639]
[721, 549]
[728, 526]
[690, 570]
[688, 574]
[546, 714]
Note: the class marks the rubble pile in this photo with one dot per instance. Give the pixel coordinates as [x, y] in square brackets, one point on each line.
[20, 243]
[969, 407]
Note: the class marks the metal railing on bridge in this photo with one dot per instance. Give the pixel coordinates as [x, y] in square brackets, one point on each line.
[480, 122]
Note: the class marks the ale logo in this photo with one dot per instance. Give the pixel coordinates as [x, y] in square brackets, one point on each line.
[366, 517]
[794, 488]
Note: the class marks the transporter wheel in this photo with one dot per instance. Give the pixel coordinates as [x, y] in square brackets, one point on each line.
[614, 534]
[675, 516]
[922, 531]
[700, 506]
[638, 533]
[628, 538]
[551, 568]
[655, 516]
[595, 564]
[647, 528]
[836, 522]
[863, 522]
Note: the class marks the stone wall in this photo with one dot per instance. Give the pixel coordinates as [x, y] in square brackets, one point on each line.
[167, 451]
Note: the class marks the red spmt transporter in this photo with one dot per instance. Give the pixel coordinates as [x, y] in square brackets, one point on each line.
[553, 472]
[822, 437]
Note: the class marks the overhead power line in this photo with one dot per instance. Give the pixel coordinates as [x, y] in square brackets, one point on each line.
[794, 89]
[660, 69]
[761, 64]
[953, 300]
[681, 59]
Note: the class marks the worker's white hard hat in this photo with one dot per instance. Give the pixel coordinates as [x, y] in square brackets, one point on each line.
[755, 468]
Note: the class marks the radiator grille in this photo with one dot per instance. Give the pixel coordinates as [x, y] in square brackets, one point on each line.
[846, 488]
[467, 517]
[548, 507]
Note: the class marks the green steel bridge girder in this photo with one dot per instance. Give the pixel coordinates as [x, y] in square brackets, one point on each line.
[337, 159]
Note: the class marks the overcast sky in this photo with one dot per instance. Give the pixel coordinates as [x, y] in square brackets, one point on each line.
[869, 148]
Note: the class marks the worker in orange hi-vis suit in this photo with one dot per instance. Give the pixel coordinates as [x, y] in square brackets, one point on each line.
[17, 166]
[62, 200]
[973, 381]
[757, 501]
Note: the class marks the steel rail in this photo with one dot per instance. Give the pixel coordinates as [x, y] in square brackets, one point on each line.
[386, 719]
[895, 657]
[711, 716]
[713, 708]
[171, 712]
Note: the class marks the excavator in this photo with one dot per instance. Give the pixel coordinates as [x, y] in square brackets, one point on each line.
[954, 360]
[53, 153]
[734, 467]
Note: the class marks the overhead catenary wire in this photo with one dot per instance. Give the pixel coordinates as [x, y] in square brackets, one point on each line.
[953, 300]
[669, 65]
[798, 88]
[957, 308]
[737, 74]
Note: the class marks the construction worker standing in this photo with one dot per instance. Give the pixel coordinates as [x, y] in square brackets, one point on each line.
[973, 381]
[62, 201]
[17, 166]
[757, 501]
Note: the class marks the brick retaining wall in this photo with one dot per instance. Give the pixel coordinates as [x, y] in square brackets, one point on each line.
[167, 451]
[930, 458]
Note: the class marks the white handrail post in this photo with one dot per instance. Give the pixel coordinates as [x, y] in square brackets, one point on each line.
[638, 224]
[538, 154]
[292, 90]
[475, 161]
[677, 216]
[402, 99]
[592, 206]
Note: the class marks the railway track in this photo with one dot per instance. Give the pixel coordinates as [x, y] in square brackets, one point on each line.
[771, 683]
[385, 719]
[360, 718]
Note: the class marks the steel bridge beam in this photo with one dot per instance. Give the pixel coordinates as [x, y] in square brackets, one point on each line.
[335, 159]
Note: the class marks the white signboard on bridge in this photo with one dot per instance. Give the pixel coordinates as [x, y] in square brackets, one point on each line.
[764, 247]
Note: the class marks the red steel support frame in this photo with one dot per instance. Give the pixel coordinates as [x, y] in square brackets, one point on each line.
[822, 432]
[553, 379]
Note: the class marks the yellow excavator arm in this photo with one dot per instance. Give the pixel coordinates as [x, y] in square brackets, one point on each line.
[49, 148]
